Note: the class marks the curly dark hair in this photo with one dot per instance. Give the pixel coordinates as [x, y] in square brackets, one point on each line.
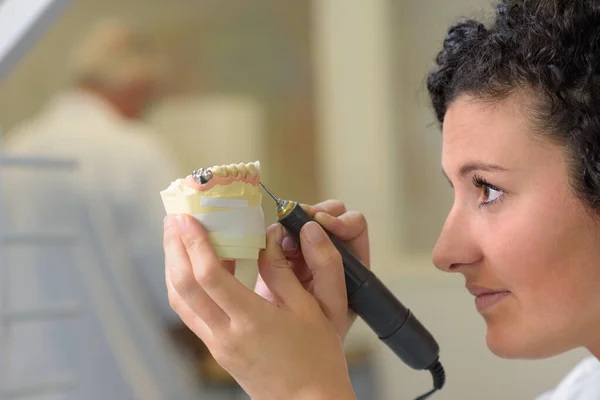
[549, 48]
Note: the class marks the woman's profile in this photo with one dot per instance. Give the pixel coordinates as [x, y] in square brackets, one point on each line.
[518, 102]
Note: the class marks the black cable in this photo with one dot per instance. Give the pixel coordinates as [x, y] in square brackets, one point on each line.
[439, 378]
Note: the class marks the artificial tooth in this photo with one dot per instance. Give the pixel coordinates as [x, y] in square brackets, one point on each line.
[232, 169]
[251, 167]
[241, 167]
[218, 170]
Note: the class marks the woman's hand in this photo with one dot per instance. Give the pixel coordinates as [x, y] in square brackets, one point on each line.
[285, 348]
[318, 269]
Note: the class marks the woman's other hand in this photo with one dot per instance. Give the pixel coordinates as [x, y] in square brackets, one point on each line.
[286, 348]
[318, 269]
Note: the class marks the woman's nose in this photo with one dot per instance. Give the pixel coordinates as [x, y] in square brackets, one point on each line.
[457, 245]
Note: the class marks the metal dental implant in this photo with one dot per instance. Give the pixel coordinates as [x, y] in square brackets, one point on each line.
[202, 175]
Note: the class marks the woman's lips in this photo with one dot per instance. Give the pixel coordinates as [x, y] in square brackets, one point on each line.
[486, 297]
[485, 301]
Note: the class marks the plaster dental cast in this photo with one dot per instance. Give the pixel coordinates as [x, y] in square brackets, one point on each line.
[227, 201]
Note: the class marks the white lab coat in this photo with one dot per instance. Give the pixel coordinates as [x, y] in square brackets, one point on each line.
[117, 349]
[582, 383]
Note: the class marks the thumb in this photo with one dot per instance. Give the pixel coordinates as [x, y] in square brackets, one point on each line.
[325, 263]
[275, 271]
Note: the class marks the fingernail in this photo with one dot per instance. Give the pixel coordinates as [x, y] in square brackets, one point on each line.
[323, 216]
[180, 221]
[314, 234]
[168, 221]
[288, 244]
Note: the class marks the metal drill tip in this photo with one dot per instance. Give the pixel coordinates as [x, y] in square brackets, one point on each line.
[281, 204]
[277, 199]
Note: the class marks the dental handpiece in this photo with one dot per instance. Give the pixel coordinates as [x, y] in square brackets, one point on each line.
[370, 299]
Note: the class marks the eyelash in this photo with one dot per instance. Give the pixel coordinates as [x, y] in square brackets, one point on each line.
[480, 182]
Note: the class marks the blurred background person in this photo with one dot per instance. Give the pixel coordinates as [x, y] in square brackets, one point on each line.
[116, 76]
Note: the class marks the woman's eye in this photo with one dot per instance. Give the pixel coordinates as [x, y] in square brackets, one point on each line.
[490, 195]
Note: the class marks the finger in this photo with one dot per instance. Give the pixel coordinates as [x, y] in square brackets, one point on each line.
[302, 273]
[276, 271]
[234, 298]
[293, 254]
[182, 283]
[187, 315]
[349, 227]
[325, 263]
[262, 289]
[289, 244]
[332, 207]
[310, 209]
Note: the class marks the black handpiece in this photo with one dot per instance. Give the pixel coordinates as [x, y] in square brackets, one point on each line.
[371, 300]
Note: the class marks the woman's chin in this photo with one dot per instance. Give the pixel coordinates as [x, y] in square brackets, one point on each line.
[518, 344]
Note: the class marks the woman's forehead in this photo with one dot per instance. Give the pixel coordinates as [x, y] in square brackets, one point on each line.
[496, 133]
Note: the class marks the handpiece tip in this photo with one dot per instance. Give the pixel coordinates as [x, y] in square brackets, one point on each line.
[280, 203]
[269, 192]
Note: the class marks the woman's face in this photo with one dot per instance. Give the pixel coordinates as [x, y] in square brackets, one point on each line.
[525, 244]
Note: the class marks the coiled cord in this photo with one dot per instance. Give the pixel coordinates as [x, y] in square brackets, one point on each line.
[439, 378]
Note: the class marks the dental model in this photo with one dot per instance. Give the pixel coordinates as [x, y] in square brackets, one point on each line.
[226, 199]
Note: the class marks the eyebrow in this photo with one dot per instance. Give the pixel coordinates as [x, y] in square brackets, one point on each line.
[466, 169]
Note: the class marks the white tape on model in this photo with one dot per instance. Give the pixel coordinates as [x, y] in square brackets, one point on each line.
[235, 223]
[218, 202]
